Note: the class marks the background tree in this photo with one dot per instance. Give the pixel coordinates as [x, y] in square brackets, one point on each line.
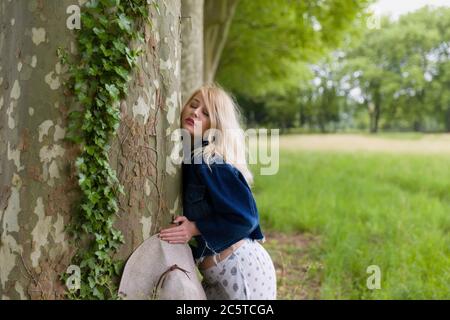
[270, 42]
[393, 68]
[192, 66]
[218, 17]
[388, 78]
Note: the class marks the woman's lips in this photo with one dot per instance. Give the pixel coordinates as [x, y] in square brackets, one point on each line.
[189, 121]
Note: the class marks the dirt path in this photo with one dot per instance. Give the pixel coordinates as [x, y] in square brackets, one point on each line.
[439, 143]
[298, 271]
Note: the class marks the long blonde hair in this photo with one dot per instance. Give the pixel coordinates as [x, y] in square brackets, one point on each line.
[225, 117]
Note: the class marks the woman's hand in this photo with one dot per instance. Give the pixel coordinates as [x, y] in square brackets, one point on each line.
[181, 233]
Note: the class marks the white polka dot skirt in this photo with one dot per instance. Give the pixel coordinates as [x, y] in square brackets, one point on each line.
[247, 274]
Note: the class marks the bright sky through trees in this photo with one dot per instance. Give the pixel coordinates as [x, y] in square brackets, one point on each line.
[399, 7]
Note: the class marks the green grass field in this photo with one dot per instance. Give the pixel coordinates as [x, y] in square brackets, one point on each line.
[389, 210]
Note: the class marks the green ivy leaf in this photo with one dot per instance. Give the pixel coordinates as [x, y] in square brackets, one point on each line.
[92, 4]
[119, 46]
[118, 267]
[97, 293]
[124, 23]
[110, 3]
[121, 71]
[112, 90]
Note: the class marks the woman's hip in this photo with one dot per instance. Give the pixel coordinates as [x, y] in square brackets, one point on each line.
[248, 273]
[250, 258]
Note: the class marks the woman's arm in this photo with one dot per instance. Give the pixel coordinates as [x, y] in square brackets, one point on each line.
[233, 209]
[234, 214]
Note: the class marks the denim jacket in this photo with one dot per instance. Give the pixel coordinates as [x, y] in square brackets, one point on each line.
[221, 203]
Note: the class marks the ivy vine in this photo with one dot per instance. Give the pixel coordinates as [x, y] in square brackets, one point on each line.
[98, 78]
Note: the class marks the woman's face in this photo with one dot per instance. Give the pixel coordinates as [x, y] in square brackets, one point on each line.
[196, 116]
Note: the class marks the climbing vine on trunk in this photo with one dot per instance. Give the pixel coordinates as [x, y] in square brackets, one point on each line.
[98, 80]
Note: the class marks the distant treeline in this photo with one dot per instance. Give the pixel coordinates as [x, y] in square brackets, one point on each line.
[395, 77]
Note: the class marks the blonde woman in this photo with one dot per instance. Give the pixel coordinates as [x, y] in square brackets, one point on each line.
[221, 220]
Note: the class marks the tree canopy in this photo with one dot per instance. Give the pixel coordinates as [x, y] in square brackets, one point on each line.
[271, 42]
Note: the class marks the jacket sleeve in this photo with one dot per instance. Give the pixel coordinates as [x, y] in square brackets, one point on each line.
[233, 214]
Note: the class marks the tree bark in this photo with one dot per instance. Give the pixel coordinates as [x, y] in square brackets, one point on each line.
[376, 118]
[38, 188]
[375, 115]
[192, 46]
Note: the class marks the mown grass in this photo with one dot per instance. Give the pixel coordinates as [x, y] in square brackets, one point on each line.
[380, 209]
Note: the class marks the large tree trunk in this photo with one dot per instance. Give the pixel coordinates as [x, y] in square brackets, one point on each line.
[218, 16]
[38, 189]
[191, 46]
